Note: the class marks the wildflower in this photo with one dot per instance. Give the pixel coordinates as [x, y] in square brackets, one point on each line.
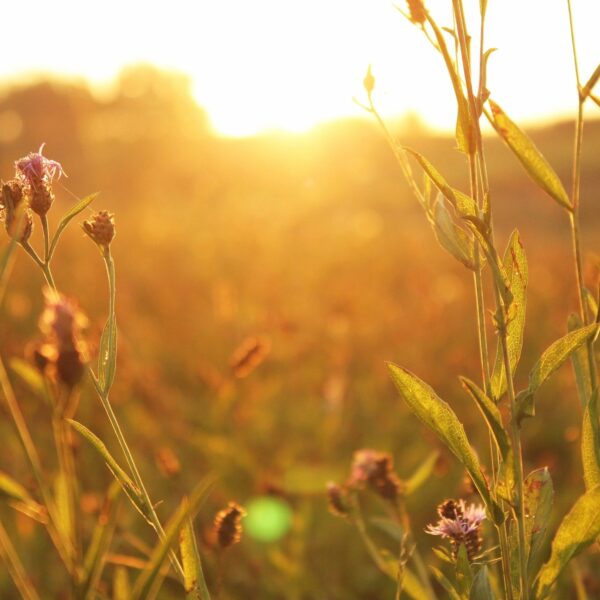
[64, 353]
[417, 11]
[337, 500]
[37, 172]
[375, 469]
[228, 525]
[101, 228]
[14, 200]
[461, 524]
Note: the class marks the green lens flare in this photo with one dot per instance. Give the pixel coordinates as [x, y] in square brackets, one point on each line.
[268, 520]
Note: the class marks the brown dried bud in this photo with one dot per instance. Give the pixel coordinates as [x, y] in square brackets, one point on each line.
[337, 500]
[42, 198]
[70, 365]
[248, 355]
[41, 355]
[228, 525]
[101, 228]
[376, 470]
[14, 200]
[369, 81]
[417, 11]
[449, 509]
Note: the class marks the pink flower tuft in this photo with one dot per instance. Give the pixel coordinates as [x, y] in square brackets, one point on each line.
[36, 170]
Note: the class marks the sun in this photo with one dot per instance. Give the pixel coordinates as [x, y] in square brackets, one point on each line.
[283, 65]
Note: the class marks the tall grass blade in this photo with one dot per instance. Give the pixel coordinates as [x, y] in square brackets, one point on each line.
[194, 582]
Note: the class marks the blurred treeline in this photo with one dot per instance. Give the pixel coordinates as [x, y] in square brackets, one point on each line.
[314, 243]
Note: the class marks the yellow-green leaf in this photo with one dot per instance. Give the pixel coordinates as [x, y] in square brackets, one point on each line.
[442, 420]
[530, 157]
[516, 270]
[579, 528]
[461, 202]
[481, 588]
[581, 367]
[121, 586]
[150, 579]
[422, 474]
[590, 443]
[538, 496]
[194, 582]
[10, 488]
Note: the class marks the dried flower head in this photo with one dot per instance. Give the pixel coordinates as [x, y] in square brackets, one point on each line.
[14, 200]
[36, 170]
[101, 228]
[461, 525]
[65, 353]
[337, 500]
[417, 11]
[375, 469]
[228, 525]
[248, 355]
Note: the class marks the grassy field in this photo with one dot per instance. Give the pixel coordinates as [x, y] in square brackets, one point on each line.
[313, 244]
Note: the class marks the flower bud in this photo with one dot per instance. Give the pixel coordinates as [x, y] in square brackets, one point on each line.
[101, 228]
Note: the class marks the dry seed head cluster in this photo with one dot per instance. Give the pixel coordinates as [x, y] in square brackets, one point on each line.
[417, 11]
[375, 470]
[101, 228]
[228, 525]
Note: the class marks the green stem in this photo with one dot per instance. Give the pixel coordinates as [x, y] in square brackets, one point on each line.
[36, 465]
[44, 220]
[15, 568]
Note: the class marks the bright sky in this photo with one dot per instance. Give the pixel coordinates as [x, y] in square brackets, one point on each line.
[282, 64]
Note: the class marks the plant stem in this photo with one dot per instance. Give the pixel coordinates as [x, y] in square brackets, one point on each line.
[15, 568]
[36, 466]
[44, 220]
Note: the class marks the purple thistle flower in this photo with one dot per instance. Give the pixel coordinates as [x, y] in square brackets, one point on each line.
[36, 170]
[460, 523]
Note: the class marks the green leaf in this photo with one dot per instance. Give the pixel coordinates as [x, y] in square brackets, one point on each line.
[422, 474]
[581, 367]
[107, 357]
[481, 588]
[552, 358]
[102, 536]
[389, 526]
[491, 414]
[461, 202]
[538, 496]
[464, 573]
[446, 584]
[194, 582]
[590, 443]
[579, 528]
[442, 420]
[530, 157]
[121, 586]
[450, 236]
[127, 484]
[516, 270]
[10, 488]
[77, 208]
[29, 375]
[150, 579]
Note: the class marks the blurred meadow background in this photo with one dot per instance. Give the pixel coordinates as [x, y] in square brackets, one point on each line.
[304, 240]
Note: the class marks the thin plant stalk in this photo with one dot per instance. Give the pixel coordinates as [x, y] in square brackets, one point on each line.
[574, 220]
[15, 568]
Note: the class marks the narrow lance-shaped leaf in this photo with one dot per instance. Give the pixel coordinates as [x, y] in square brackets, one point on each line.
[552, 358]
[530, 157]
[149, 578]
[491, 414]
[450, 236]
[481, 588]
[442, 420]
[79, 206]
[127, 484]
[579, 360]
[461, 202]
[538, 496]
[579, 528]
[590, 443]
[516, 270]
[194, 582]
[422, 474]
